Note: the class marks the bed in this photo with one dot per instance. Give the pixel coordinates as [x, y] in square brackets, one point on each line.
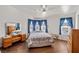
[39, 39]
[39, 36]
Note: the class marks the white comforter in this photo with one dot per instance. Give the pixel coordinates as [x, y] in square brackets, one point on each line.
[39, 39]
[39, 35]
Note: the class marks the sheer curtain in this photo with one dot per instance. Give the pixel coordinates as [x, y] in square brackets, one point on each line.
[37, 25]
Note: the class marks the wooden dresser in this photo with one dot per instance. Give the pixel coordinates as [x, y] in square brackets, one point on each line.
[75, 40]
[8, 41]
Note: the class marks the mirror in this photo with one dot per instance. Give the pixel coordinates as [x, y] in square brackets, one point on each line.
[12, 27]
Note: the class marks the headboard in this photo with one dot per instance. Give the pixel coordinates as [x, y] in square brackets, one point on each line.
[37, 25]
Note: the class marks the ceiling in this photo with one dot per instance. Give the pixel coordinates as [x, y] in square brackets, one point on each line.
[51, 9]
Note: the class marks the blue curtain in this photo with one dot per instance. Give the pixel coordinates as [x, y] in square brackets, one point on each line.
[69, 20]
[70, 23]
[61, 23]
[34, 22]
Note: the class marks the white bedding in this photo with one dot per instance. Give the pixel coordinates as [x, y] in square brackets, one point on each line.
[39, 34]
[39, 39]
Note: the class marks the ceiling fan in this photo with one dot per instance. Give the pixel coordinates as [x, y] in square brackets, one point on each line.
[43, 10]
[43, 7]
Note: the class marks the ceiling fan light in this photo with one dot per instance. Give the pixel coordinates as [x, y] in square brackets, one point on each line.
[43, 6]
[65, 8]
[43, 13]
[44, 10]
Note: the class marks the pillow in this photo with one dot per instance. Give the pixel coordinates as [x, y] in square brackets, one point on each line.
[37, 32]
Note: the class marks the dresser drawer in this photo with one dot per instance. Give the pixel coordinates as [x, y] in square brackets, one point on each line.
[7, 43]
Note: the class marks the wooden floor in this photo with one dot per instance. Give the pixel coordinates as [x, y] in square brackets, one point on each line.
[57, 47]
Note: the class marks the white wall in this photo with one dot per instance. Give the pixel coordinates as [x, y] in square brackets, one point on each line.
[54, 22]
[10, 14]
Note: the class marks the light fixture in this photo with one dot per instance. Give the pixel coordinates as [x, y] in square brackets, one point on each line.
[65, 8]
[42, 11]
[44, 7]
